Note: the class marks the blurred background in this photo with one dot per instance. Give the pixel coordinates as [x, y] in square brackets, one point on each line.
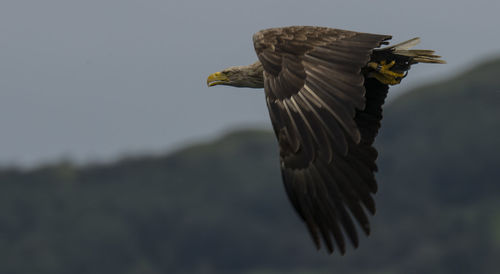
[116, 157]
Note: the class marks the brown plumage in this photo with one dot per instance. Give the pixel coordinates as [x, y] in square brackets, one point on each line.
[325, 106]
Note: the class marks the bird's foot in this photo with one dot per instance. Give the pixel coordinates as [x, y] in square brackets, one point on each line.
[383, 73]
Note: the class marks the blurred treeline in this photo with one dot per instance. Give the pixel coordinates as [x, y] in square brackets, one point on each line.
[220, 207]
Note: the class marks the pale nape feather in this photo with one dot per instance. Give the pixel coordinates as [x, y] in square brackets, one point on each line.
[250, 76]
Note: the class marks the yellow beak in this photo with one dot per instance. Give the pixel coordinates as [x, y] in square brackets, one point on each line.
[217, 79]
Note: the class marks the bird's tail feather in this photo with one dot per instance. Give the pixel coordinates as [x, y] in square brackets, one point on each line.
[416, 55]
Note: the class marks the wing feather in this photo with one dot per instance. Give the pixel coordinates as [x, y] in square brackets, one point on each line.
[325, 115]
[326, 123]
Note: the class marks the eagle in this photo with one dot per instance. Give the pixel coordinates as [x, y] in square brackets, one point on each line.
[324, 90]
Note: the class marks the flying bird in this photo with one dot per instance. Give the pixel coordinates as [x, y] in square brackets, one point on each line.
[325, 89]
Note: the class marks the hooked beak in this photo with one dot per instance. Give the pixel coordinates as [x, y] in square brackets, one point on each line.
[217, 78]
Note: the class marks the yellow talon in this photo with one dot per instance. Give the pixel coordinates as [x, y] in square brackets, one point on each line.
[387, 80]
[384, 74]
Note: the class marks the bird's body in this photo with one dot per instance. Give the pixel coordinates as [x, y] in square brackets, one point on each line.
[324, 90]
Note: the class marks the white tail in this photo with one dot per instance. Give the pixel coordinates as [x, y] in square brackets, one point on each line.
[416, 55]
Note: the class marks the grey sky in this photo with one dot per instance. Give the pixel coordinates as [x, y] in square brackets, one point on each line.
[96, 79]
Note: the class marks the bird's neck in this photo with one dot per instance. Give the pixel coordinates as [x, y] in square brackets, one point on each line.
[252, 76]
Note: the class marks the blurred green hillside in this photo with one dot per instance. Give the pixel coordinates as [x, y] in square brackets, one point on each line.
[220, 207]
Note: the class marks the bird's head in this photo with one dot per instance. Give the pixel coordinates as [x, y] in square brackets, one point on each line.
[240, 76]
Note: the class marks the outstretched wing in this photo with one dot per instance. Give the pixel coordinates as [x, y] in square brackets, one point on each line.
[325, 115]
